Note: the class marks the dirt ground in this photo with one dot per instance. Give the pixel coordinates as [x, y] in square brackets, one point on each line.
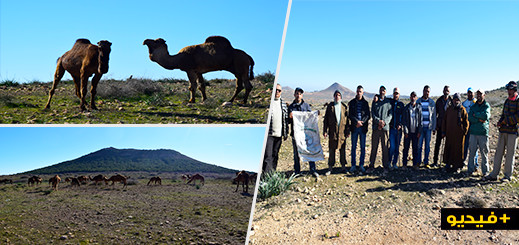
[174, 213]
[401, 207]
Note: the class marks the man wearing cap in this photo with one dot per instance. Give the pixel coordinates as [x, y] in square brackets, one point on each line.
[335, 127]
[299, 105]
[442, 104]
[479, 116]
[395, 128]
[359, 116]
[469, 102]
[381, 112]
[507, 125]
[412, 126]
[428, 124]
[278, 130]
[455, 127]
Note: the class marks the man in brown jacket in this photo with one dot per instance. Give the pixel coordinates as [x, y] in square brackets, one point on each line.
[335, 127]
[455, 127]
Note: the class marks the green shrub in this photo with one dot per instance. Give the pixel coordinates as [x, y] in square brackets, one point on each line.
[267, 77]
[274, 183]
[9, 83]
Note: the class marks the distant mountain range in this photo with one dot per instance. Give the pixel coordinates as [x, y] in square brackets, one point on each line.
[324, 96]
[321, 97]
[119, 160]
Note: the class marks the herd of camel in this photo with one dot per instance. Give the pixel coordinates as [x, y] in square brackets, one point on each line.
[242, 177]
[216, 53]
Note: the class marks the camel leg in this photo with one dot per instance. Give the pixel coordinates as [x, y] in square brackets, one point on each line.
[201, 86]
[93, 90]
[237, 90]
[192, 85]
[248, 89]
[77, 83]
[84, 83]
[60, 71]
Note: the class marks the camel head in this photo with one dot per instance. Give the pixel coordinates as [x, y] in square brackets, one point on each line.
[104, 55]
[154, 45]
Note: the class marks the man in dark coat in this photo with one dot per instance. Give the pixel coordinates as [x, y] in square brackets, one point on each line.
[455, 127]
[359, 116]
[299, 105]
[335, 127]
[441, 107]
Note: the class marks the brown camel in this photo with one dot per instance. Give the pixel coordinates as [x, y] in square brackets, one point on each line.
[55, 182]
[83, 179]
[83, 61]
[242, 177]
[100, 178]
[215, 54]
[73, 181]
[155, 180]
[34, 180]
[185, 177]
[196, 177]
[118, 178]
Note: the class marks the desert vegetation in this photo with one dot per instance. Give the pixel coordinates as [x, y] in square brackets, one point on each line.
[133, 101]
[171, 213]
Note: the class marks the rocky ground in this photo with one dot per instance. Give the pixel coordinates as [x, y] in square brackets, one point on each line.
[174, 213]
[401, 207]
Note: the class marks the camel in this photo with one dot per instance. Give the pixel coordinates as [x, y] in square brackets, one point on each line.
[55, 182]
[73, 181]
[100, 178]
[215, 54]
[252, 178]
[196, 177]
[83, 61]
[156, 180]
[6, 181]
[118, 178]
[185, 177]
[83, 179]
[34, 180]
[242, 177]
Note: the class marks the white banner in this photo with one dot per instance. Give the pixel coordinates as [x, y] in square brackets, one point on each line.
[306, 135]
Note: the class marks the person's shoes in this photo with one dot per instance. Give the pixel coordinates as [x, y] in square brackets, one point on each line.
[427, 166]
[362, 170]
[315, 174]
[434, 165]
[506, 179]
[353, 169]
[328, 173]
[489, 178]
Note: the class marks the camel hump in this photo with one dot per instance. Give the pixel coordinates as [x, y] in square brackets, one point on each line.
[218, 40]
[83, 41]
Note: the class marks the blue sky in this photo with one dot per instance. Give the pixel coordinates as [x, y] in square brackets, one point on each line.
[401, 43]
[33, 34]
[27, 148]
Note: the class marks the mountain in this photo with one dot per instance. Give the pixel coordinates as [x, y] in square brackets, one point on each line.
[323, 96]
[118, 160]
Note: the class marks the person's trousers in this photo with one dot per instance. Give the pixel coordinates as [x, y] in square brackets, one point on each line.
[270, 159]
[425, 139]
[356, 135]
[412, 139]
[508, 142]
[478, 142]
[342, 155]
[297, 160]
[379, 137]
[395, 136]
[437, 147]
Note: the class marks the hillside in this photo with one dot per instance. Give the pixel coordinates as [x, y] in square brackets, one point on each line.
[118, 160]
[321, 97]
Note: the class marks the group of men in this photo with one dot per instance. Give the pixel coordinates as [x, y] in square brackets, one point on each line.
[462, 126]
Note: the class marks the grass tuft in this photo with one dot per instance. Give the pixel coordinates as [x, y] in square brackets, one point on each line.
[274, 183]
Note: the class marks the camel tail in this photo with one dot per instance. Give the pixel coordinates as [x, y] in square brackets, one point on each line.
[251, 73]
